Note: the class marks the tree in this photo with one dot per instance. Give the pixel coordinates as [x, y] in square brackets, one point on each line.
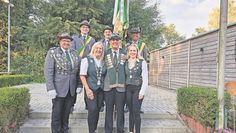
[170, 34]
[35, 24]
[213, 17]
[198, 31]
[149, 20]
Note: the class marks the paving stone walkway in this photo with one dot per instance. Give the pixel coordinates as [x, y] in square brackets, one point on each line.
[159, 106]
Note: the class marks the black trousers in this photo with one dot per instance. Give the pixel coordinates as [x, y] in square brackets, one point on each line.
[113, 99]
[94, 107]
[60, 113]
[134, 105]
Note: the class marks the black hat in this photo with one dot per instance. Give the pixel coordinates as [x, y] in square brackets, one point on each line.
[84, 22]
[107, 28]
[65, 35]
[135, 30]
[115, 36]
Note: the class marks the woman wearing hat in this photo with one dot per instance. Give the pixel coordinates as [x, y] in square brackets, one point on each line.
[136, 84]
[60, 71]
[92, 72]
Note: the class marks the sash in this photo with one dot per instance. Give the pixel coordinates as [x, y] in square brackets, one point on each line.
[141, 46]
[82, 47]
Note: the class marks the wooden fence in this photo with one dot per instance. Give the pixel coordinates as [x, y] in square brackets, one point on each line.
[193, 61]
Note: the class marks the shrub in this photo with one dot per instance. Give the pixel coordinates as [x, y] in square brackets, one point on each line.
[200, 103]
[31, 64]
[10, 80]
[14, 107]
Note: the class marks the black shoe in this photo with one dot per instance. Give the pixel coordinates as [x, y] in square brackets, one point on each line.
[141, 112]
[102, 109]
[72, 109]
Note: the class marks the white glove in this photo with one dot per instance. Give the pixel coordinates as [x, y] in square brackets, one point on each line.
[79, 90]
[52, 94]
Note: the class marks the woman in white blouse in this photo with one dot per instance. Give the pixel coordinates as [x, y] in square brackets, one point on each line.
[92, 72]
[136, 83]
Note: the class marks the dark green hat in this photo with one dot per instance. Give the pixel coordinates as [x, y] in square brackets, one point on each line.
[107, 28]
[115, 36]
[84, 22]
[64, 35]
[135, 30]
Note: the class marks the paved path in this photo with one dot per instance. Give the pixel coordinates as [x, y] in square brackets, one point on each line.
[156, 100]
[159, 106]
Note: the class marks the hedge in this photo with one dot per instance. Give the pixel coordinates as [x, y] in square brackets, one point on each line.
[200, 103]
[14, 107]
[10, 80]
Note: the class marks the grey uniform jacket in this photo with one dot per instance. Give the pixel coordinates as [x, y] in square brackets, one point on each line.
[58, 74]
[78, 42]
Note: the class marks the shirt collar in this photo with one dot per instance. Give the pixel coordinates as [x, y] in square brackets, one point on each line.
[84, 35]
[117, 51]
[64, 51]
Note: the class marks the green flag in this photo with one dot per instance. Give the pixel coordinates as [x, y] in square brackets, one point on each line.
[121, 16]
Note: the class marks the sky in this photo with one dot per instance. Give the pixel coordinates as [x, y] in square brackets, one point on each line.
[186, 14]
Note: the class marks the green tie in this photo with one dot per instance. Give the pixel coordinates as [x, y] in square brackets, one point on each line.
[115, 59]
[68, 58]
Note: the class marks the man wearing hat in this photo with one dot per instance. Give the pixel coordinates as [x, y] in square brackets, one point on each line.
[82, 44]
[107, 31]
[114, 85]
[60, 71]
[135, 39]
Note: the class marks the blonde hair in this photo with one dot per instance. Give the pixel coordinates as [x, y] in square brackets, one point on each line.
[138, 56]
[91, 54]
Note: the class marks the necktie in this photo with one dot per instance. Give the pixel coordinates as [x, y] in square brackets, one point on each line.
[68, 58]
[106, 45]
[115, 61]
[84, 37]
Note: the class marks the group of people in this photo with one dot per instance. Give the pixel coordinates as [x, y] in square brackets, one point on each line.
[105, 70]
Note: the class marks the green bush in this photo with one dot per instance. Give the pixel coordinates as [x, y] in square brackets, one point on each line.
[200, 103]
[31, 64]
[10, 80]
[14, 107]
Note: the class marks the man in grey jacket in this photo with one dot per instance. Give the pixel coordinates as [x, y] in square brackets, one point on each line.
[60, 71]
[82, 43]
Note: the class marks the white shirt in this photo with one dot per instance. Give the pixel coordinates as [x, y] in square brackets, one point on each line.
[84, 65]
[144, 78]
[117, 53]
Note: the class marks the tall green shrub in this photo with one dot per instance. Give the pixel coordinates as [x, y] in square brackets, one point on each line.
[200, 103]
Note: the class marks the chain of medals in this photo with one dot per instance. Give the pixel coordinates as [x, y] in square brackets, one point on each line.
[98, 71]
[131, 65]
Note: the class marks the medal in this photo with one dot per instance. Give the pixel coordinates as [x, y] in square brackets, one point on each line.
[99, 82]
[98, 72]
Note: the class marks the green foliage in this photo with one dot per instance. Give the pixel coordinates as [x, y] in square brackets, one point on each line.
[148, 18]
[10, 80]
[171, 36]
[35, 24]
[14, 107]
[31, 64]
[200, 103]
[199, 31]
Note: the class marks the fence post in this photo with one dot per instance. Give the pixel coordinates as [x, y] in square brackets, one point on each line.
[170, 54]
[188, 69]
